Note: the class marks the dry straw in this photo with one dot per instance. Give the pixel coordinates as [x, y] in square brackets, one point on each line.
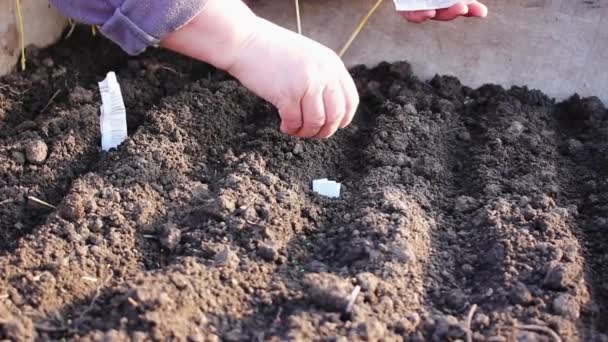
[353, 36]
[21, 33]
[360, 27]
[298, 17]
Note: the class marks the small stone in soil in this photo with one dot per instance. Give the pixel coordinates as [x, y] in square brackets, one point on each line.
[298, 149]
[567, 306]
[481, 320]
[516, 128]
[520, 294]
[367, 281]
[456, 299]
[170, 236]
[227, 257]
[36, 151]
[557, 278]
[268, 252]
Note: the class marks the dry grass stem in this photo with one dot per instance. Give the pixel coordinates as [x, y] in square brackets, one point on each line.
[468, 323]
[90, 279]
[7, 201]
[48, 329]
[540, 328]
[298, 17]
[72, 27]
[21, 33]
[41, 202]
[352, 298]
[163, 67]
[93, 301]
[360, 27]
[50, 101]
[132, 302]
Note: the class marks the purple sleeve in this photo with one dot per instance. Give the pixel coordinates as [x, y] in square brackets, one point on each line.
[132, 24]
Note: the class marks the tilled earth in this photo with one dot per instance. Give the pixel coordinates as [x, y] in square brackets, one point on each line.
[466, 214]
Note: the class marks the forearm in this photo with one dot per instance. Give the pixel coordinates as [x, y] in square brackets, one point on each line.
[217, 34]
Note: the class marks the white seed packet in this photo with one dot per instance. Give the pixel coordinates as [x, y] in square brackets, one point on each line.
[418, 5]
[113, 119]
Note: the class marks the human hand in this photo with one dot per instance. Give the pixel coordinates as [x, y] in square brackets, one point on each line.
[474, 9]
[306, 81]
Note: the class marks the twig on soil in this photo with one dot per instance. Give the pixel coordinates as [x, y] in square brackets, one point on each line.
[46, 329]
[468, 323]
[164, 67]
[93, 301]
[7, 201]
[352, 298]
[50, 101]
[72, 27]
[13, 91]
[298, 18]
[359, 28]
[91, 279]
[41, 202]
[277, 318]
[539, 328]
[132, 302]
[255, 224]
[90, 307]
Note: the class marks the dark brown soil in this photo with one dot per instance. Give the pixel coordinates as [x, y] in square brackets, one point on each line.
[490, 203]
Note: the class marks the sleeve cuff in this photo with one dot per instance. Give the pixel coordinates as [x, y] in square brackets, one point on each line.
[137, 25]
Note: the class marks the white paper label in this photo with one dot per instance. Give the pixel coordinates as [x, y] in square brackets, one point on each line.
[113, 119]
[418, 5]
[326, 187]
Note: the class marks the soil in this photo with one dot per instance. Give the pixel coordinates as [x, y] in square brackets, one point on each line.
[465, 214]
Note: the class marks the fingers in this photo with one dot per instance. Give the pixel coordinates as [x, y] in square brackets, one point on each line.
[322, 112]
[477, 9]
[340, 100]
[452, 12]
[313, 113]
[335, 104]
[351, 100]
[418, 16]
[291, 118]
